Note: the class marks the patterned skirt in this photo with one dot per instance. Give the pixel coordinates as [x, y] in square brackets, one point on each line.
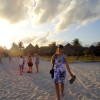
[59, 74]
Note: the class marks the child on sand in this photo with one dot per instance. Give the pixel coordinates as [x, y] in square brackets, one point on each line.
[30, 64]
[10, 59]
[21, 65]
[0, 60]
[37, 62]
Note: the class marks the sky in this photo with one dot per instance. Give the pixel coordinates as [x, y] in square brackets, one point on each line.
[44, 21]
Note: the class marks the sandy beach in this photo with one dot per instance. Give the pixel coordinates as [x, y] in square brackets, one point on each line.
[40, 86]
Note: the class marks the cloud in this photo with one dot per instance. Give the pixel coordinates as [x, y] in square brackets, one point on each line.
[63, 12]
[79, 11]
[67, 12]
[43, 39]
[14, 10]
[28, 40]
[46, 10]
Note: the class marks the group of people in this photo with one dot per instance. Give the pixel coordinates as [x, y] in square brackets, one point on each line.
[58, 59]
[29, 63]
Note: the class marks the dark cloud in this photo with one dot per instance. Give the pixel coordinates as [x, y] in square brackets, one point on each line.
[14, 10]
[28, 40]
[80, 11]
[46, 10]
[67, 12]
[43, 40]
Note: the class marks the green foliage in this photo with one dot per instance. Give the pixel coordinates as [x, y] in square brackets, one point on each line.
[75, 49]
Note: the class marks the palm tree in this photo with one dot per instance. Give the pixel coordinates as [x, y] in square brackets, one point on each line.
[76, 44]
[98, 44]
[14, 50]
[98, 49]
[21, 47]
[14, 44]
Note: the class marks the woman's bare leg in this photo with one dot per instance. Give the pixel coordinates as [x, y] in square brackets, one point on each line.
[62, 89]
[37, 67]
[21, 72]
[57, 91]
[31, 69]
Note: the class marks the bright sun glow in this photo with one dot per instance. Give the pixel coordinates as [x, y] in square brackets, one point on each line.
[5, 32]
[8, 32]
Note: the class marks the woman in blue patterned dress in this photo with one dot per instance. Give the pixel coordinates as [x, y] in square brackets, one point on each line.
[60, 70]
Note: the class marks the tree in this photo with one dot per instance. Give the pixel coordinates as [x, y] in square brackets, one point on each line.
[98, 45]
[77, 45]
[14, 49]
[21, 47]
[14, 44]
[97, 51]
[91, 51]
[1, 51]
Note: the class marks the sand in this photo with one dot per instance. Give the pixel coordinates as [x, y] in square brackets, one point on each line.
[40, 86]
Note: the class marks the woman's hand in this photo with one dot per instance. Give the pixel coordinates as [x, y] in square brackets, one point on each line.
[71, 74]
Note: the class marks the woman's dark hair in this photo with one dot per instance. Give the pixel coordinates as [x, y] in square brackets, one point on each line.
[38, 54]
[61, 47]
[21, 56]
[29, 55]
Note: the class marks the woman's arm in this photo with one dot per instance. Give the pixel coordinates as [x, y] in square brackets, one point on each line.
[67, 66]
[52, 59]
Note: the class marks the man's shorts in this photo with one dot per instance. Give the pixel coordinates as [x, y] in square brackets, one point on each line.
[21, 66]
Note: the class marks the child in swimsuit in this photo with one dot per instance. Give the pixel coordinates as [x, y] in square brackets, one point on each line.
[37, 62]
[30, 64]
[21, 66]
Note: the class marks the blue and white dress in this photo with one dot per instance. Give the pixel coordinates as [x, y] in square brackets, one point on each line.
[60, 70]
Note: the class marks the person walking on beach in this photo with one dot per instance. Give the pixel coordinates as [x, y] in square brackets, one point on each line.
[37, 62]
[0, 59]
[60, 71]
[30, 64]
[10, 59]
[21, 65]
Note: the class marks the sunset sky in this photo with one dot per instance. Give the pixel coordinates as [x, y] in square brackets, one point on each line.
[43, 21]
